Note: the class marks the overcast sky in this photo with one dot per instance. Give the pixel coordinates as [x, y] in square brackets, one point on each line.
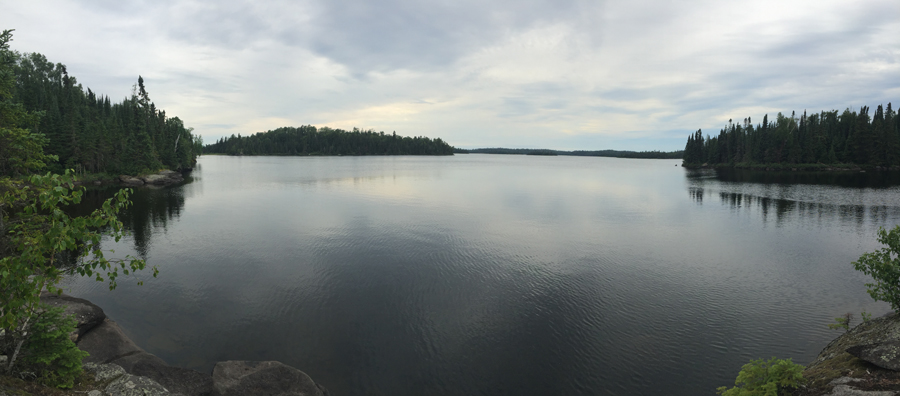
[561, 74]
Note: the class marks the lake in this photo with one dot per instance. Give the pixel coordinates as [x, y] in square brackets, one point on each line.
[489, 274]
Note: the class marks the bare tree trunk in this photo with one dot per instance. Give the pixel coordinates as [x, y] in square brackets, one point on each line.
[12, 359]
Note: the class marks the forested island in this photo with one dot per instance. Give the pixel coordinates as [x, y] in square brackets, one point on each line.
[309, 140]
[826, 139]
[581, 153]
[89, 133]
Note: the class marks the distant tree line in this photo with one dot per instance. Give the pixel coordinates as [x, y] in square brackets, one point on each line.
[582, 153]
[309, 140]
[630, 154]
[89, 133]
[826, 138]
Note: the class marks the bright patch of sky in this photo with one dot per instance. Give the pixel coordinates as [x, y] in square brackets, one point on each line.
[561, 74]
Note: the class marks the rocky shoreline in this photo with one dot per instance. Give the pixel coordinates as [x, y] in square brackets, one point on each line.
[160, 179]
[121, 368]
[863, 361]
[163, 178]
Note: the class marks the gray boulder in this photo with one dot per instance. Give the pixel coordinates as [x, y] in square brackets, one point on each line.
[235, 377]
[87, 314]
[104, 372]
[882, 354]
[176, 379]
[842, 387]
[106, 342]
[162, 178]
[856, 360]
[132, 385]
[846, 390]
[172, 175]
[130, 181]
[155, 179]
[876, 331]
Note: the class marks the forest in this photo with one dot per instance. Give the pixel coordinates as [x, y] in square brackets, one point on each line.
[89, 133]
[580, 153]
[824, 139]
[309, 140]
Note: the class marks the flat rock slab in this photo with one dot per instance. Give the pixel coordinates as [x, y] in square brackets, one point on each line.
[104, 372]
[236, 377]
[107, 342]
[155, 179]
[132, 385]
[882, 354]
[171, 174]
[163, 178]
[845, 390]
[87, 314]
[175, 379]
[844, 387]
[130, 181]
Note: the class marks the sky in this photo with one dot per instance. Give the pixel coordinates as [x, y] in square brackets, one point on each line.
[560, 74]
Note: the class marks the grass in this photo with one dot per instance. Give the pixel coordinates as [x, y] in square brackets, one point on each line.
[18, 387]
[843, 365]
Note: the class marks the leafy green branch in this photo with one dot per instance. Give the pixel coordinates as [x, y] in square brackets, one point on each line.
[765, 378]
[40, 232]
[36, 237]
[883, 266]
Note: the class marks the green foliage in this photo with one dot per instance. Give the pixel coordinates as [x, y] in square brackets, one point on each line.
[39, 242]
[865, 316]
[765, 378]
[842, 322]
[20, 149]
[88, 132]
[49, 353]
[883, 266]
[40, 232]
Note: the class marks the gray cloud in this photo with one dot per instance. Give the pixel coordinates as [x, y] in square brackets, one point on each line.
[411, 34]
[368, 36]
[571, 74]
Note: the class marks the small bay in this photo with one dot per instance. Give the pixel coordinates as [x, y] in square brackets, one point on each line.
[492, 274]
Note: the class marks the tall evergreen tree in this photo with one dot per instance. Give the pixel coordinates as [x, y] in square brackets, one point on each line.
[824, 138]
[89, 133]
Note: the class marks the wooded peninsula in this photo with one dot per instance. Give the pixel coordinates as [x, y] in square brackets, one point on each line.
[826, 139]
[89, 133]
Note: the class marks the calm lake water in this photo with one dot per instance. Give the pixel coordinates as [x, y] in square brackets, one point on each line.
[489, 275]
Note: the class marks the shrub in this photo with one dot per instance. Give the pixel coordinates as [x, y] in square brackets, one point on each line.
[883, 266]
[49, 353]
[843, 322]
[762, 378]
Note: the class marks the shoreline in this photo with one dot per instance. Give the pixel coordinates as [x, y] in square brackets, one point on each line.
[118, 366]
[798, 167]
[162, 178]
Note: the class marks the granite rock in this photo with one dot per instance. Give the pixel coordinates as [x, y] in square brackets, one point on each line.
[236, 377]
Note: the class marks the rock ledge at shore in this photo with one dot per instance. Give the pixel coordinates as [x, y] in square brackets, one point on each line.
[863, 361]
[163, 178]
[121, 368]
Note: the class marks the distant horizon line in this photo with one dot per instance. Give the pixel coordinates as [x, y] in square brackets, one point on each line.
[563, 150]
